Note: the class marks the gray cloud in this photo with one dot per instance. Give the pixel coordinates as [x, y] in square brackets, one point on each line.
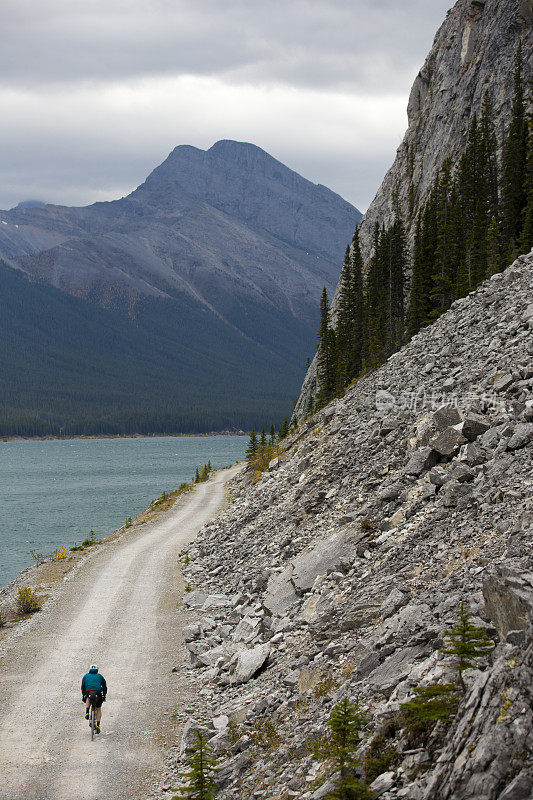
[95, 94]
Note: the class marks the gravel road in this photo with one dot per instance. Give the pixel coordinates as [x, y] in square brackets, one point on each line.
[119, 610]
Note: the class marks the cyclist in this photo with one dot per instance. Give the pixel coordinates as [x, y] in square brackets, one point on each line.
[94, 689]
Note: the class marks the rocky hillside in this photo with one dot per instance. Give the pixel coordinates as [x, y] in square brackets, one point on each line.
[474, 50]
[336, 573]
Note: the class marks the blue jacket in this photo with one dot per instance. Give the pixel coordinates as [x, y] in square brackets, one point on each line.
[93, 681]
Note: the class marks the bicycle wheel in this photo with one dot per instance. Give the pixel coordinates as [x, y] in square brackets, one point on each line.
[92, 715]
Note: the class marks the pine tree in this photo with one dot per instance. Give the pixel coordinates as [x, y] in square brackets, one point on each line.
[284, 431]
[375, 301]
[339, 747]
[466, 643]
[526, 235]
[200, 777]
[514, 198]
[431, 704]
[354, 357]
[251, 450]
[197, 476]
[349, 328]
[326, 353]
[344, 314]
[263, 439]
[272, 435]
[396, 267]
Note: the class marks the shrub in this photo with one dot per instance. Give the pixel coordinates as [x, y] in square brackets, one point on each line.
[265, 733]
[60, 553]
[325, 686]
[369, 524]
[27, 601]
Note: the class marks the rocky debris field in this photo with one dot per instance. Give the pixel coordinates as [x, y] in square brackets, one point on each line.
[336, 572]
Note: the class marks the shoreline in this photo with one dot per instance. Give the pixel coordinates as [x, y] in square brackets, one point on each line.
[50, 571]
[51, 438]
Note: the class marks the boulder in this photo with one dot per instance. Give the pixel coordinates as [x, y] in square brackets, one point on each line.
[391, 492]
[448, 442]
[522, 435]
[325, 556]
[192, 726]
[249, 662]
[502, 381]
[473, 426]
[508, 594]
[420, 461]
[392, 603]
[382, 783]
[280, 594]
[445, 417]
[394, 669]
[453, 491]
[195, 599]
[247, 629]
[214, 601]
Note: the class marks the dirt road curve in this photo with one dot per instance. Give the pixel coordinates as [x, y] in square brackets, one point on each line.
[120, 611]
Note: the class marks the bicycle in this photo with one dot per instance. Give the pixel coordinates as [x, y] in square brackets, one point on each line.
[92, 717]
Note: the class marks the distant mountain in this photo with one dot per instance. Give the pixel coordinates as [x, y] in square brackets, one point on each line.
[30, 204]
[218, 259]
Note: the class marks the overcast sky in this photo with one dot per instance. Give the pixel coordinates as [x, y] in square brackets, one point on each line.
[95, 93]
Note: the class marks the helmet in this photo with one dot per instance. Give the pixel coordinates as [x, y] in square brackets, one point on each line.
[93, 666]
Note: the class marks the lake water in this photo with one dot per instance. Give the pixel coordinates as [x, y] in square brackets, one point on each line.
[54, 493]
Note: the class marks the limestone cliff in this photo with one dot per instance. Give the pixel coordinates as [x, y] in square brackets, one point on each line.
[473, 52]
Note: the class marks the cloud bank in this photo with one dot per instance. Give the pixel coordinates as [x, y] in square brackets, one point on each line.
[95, 94]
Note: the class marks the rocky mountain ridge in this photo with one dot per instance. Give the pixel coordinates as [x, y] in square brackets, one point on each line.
[208, 275]
[224, 223]
[336, 572]
[473, 52]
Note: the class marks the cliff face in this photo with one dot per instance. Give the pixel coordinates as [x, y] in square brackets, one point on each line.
[473, 52]
[336, 573]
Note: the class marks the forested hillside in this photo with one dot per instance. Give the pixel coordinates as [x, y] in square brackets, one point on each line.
[476, 217]
[71, 367]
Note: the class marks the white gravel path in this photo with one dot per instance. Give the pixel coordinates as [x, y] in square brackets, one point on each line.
[120, 610]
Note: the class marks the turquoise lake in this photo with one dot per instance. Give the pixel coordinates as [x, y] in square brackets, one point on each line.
[54, 493]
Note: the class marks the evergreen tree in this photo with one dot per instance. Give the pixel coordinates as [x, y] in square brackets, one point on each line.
[466, 643]
[375, 301]
[339, 747]
[272, 435]
[326, 353]
[284, 431]
[396, 267]
[252, 448]
[197, 476]
[343, 327]
[431, 704]
[263, 439]
[354, 358]
[200, 777]
[514, 199]
[526, 236]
